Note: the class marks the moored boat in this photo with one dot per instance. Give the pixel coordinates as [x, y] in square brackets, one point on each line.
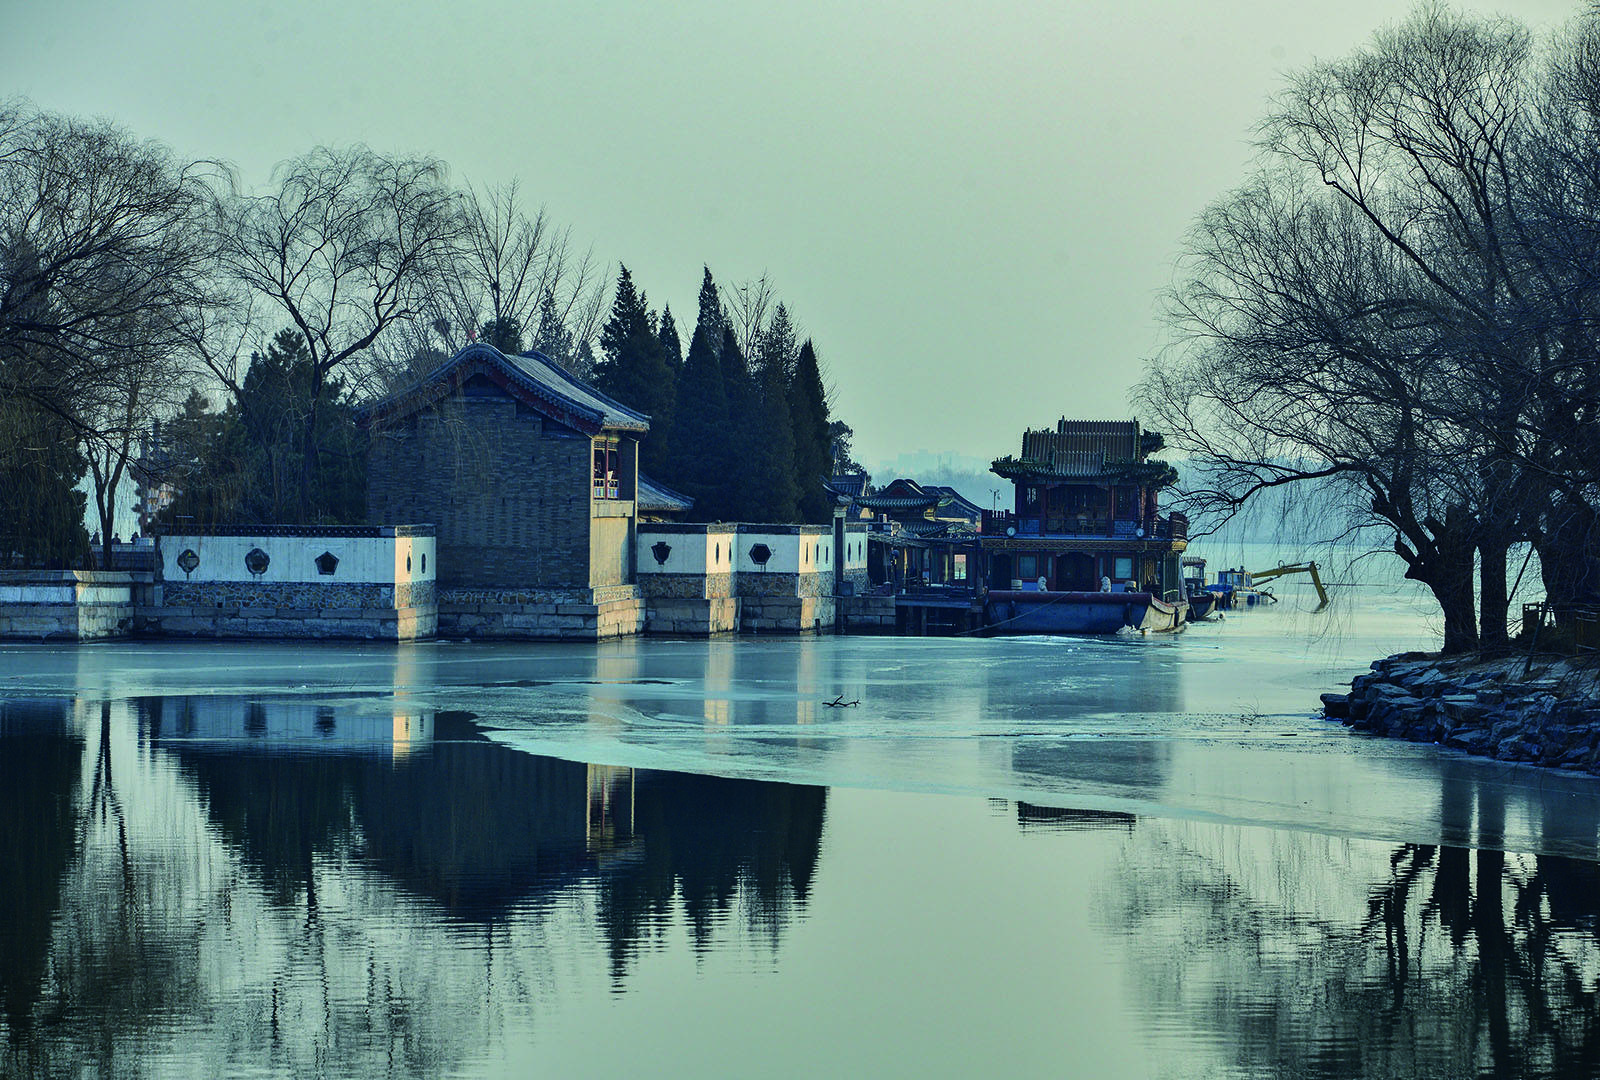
[1011, 611]
[1203, 603]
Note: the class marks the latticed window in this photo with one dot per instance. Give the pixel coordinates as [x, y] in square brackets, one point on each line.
[606, 482]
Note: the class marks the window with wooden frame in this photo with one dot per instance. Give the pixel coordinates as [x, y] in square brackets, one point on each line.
[605, 483]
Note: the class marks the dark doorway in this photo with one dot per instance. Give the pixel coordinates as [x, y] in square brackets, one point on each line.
[1075, 573]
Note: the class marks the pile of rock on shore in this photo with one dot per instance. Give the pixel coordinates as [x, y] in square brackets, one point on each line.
[1486, 707]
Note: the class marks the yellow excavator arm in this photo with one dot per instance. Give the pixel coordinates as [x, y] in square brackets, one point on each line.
[1296, 568]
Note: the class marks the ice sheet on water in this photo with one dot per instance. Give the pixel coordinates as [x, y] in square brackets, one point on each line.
[1215, 723]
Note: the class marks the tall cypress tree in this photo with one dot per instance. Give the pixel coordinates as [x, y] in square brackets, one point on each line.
[702, 447]
[813, 457]
[773, 495]
[634, 370]
[711, 316]
[743, 443]
[671, 347]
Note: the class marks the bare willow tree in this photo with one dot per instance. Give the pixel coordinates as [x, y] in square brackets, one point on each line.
[1366, 310]
[348, 245]
[106, 256]
[517, 282]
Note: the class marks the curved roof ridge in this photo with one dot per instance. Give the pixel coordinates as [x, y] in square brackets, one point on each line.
[572, 380]
[535, 375]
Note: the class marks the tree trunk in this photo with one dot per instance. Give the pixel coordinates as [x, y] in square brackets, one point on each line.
[1566, 564]
[1447, 571]
[1493, 598]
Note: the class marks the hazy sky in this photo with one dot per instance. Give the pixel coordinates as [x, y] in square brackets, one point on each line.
[972, 208]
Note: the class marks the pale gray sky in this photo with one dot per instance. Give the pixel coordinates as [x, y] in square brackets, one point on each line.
[972, 208]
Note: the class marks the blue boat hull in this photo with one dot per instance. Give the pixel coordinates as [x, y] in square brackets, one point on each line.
[1012, 612]
[1203, 604]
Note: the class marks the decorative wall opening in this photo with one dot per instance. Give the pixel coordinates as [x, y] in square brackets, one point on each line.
[327, 563]
[661, 549]
[760, 553]
[256, 561]
[188, 561]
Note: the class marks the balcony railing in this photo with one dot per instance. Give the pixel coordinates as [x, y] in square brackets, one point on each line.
[1175, 526]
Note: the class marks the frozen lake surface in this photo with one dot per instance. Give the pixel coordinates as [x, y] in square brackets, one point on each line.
[1028, 857]
[1220, 723]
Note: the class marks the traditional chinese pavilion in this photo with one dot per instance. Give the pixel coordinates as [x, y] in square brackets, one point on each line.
[1086, 510]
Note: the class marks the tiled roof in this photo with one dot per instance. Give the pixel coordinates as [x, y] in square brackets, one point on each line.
[1087, 450]
[532, 378]
[958, 501]
[849, 484]
[661, 499]
[1112, 440]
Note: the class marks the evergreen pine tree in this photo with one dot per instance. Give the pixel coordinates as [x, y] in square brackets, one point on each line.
[741, 446]
[773, 494]
[504, 333]
[671, 347]
[702, 446]
[813, 449]
[711, 316]
[41, 456]
[41, 509]
[633, 369]
[777, 347]
[552, 338]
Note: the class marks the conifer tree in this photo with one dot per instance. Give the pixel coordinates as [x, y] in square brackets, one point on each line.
[773, 494]
[671, 347]
[633, 369]
[41, 509]
[777, 347]
[711, 316]
[552, 337]
[813, 451]
[743, 441]
[504, 333]
[702, 447]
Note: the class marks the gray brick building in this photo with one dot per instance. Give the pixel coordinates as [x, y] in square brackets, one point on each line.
[530, 477]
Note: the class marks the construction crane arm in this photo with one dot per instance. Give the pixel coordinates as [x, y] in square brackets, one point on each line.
[1296, 568]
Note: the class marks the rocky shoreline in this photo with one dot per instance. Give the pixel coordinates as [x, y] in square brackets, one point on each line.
[1487, 708]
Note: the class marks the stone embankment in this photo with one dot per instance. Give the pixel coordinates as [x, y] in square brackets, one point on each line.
[1484, 708]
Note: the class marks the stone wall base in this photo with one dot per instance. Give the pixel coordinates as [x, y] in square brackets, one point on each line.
[864, 614]
[561, 614]
[786, 614]
[237, 621]
[68, 605]
[696, 617]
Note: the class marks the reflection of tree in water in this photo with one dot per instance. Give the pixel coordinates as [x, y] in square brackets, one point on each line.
[711, 843]
[134, 944]
[473, 825]
[1455, 962]
[480, 828]
[39, 767]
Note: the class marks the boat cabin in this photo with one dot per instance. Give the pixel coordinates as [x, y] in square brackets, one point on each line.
[1086, 513]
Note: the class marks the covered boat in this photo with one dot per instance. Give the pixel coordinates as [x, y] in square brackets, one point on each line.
[1017, 611]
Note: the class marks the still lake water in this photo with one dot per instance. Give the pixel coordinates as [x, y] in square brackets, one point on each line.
[1014, 857]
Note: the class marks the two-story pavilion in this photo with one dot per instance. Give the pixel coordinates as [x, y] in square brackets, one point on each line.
[531, 477]
[1086, 509]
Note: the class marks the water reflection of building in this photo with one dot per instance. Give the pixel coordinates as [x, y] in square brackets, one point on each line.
[1069, 819]
[166, 885]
